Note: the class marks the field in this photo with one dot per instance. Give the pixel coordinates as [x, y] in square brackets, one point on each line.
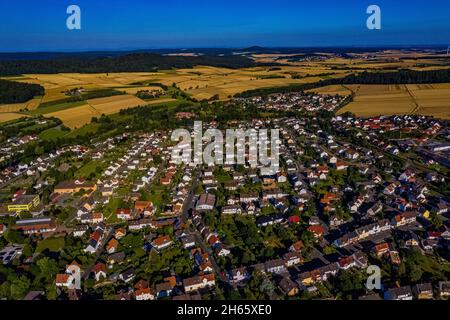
[204, 82]
[75, 117]
[51, 244]
[8, 116]
[200, 82]
[114, 104]
[52, 134]
[79, 115]
[371, 100]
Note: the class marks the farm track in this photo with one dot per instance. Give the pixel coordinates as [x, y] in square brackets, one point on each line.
[414, 101]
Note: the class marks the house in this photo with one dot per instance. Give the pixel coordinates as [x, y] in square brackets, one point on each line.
[206, 202]
[63, 280]
[165, 288]
[340, 166]
[381, 249]
[124, 214]
[142, 291]
[92, 218]
[269, 220]
[404, 219]
[423, 291]
[288, 287]
[297, 246]
[95, 240]
[80, 230]
[99, 271]
[199, 282]
[112, 245]
[275, 266]
[162, 242]
[238, 275]
[144, 294]
[376, 208]
[318, 231]
[144, 207]
[140, 224]
[188, 241]
[117, 257]
[247, 198]
[292, 258]
[221, 251]
[444, 289]
[120, 233]
[127, 275]
[441, 207]
[213, 241]
[335, 221]
[401, 293]
[233, 209]
[231, 186]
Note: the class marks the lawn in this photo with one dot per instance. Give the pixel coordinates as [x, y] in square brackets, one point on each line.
[52, 134]
[86, 129]
[52, 244]
[92, 167]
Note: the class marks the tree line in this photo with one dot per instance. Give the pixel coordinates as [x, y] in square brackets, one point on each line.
[136, 62]
[399, 77]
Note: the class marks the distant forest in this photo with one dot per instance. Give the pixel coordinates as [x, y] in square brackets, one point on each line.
[399, 77]
[17, 92]
[136, 62]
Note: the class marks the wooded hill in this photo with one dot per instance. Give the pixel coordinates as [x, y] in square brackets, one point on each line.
[17, 92]
[136, 62]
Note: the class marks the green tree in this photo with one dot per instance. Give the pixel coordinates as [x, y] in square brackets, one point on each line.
[20, 287]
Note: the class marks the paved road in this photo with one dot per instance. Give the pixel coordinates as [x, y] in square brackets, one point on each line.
[188, 205]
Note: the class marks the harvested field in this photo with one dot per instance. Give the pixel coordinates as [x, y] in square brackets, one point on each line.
[114, 104]
[428, 99]
[8, 116]
[75, 117]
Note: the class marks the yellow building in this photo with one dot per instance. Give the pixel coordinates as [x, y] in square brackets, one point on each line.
[75, 187]
[24, 203]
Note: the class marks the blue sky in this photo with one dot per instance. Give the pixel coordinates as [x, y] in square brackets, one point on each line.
[40, 25]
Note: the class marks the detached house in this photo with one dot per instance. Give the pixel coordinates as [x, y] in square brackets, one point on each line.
[404, 219]
[199, 282]
[206, 202]
[238, 275]
[99, 271]
[162, 242]
[423, 291]
[402, 293]
[124, 214]
[275, 266]
[112, 246]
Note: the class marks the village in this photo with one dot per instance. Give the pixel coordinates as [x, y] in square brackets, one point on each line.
[127, 221]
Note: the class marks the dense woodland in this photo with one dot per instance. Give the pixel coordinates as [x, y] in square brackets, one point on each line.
[136, 62]
[399, 77]
[16, 92]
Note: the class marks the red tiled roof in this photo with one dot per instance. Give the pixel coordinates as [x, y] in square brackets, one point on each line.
[62, 278]
[99, 267]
